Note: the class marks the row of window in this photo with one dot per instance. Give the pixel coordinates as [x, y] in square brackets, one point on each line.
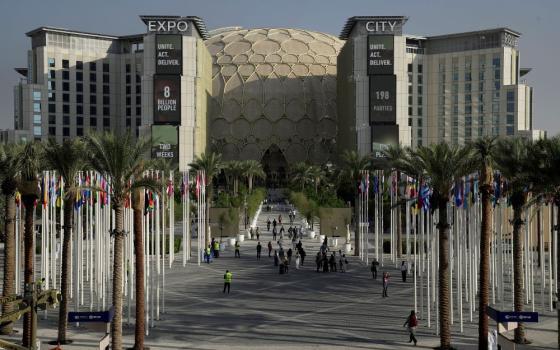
[79, 65]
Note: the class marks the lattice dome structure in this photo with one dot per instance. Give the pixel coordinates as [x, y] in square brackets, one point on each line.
[273, 89]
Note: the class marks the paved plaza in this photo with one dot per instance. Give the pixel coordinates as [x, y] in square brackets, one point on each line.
[302, 309]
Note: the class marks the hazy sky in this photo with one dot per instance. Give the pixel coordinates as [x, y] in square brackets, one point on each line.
[535, 19]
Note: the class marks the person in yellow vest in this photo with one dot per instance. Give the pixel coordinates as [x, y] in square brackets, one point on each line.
[227, 281]
[207, 254]
[216, 249]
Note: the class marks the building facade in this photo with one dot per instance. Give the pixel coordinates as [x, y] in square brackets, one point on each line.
[277, 95]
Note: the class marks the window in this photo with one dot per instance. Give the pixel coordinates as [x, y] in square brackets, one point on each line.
[106, 111]
[105, 78]
[79, 98]
[92, 122]
[128, 100]
[51, 62]
[468, 109]
[105, 67]
[128, 89]
[455, 76]
[93, 99]
[79, 109]
[92, 66]
[496, 61]
[509, 119]
[36, 131]
[138, 89]
[138, 100]
[79, 132]
[52, 131]
[65, 86]
[128, 122]
[410, 67]
[92, 110]
[52, 96]
[106, 122]
[52, 108]
[481, 75]
[468, 86]
[419, 133]
[511, 107]
[65, 108]
[79, 120]
[138, 121]
[419, 111]
[66, 120]
[409, 121]
[481, 109]
[128, 111]
[92, 77]
[37, 107]
[419, 79]
[510, 96]
[409, 110]
[79, 87]
[65, 64]
[79, 76]
[92, 88]
[509, 130]
[419, 122]
[138, 110]
[127, 68]
[52, 119]
[420, 69]
[410, 100]
[128, 78]
[37, 119]
[106, 100]
[52, 74]
[468, 76]
[497, 85]
[36, 95]
[65, 97]
[65, 131]
[420, 100]
[410, 89]
[497, 74]
[106, 89]
[468, 98]
[79, 65]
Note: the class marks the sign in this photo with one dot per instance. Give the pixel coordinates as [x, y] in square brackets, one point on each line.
[167, 25]
[169, 54]
[381, 26]
[167, 99]
[384, 134]
[509, 40]
[380, 51]
[378, 149]
[165, 142]
[99, 316]
[512, 316]
[382, 99]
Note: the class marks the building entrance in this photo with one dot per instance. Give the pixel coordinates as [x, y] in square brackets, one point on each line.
[275, 167]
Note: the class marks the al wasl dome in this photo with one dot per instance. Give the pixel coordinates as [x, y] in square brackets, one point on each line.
[274, 96]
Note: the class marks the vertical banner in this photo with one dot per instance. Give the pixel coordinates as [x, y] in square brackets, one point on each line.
[167, 99]
[380, 51]
[169, 54]
[165, 143]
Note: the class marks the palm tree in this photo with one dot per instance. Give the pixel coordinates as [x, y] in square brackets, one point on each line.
[300, 174]
[441, 165]
[393, 155]
[120, 158]
[68, 160]
[234, 169]
[512, 159]
[29, 165]
[483, 158]
[211, 163]
[317, 175]
[353, 164]
[9, 155]
[252, 169]
[545, 159]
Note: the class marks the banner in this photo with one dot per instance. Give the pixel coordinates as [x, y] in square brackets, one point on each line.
[380, 51]
[165, 142]
[169, 54]
[167, 99]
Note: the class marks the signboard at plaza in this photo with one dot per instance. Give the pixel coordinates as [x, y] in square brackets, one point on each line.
[94, 316]
[169, 54]
[384, 134]
[165, 142]
[167, 99]
[382, 99]
[380, 51]
[382, 26]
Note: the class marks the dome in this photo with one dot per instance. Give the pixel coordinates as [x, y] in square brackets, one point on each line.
[273, 88]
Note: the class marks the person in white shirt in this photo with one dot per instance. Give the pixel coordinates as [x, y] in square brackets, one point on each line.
[404, 270]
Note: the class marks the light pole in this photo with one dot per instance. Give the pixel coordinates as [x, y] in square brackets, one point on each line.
[245, 210]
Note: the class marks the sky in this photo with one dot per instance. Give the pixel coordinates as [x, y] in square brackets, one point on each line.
[535, 19]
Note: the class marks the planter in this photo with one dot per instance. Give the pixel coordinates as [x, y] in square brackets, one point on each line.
[223, 246]
[348, 247]
[311, 234]
[241, 238]
[231, 242]
[322, 238]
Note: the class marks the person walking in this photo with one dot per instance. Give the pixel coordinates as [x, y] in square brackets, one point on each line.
[297, 261]
[280, 219]
[269, 248]
[274, 233]
[303, 254]
[332, 263]
[282, 231]
[404, 270]
[340, 264]
[258, 233]
[227, 281]
[276, 258]
[216, 249]
[207, 254]
[251, 233]
[325, 263]
[411, 323]
[289, 254]
[274, 223]
[268, 224]
[286, 265]
[385, 284]
[374, 265]
[318, 261]
[237, 245]
[259, 247]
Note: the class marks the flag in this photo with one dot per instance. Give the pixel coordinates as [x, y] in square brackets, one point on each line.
[197, 185]
[376, 184]
[425, 194]
[458, 193]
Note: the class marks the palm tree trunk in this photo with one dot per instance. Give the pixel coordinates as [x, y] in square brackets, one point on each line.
[9, 287]
[518, 270]
[65, 274]
[250, 179]
[399, 226]
[208, 203]
[28, 318]
[557, 228]
[139, 328]
[486, 232]
[357, 233]
[116, 329]
[443, 276]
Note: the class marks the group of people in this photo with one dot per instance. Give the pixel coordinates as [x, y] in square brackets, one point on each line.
[283, 259]
[332, 263]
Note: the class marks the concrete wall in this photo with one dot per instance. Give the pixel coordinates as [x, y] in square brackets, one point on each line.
[333, 221]
[231, 228]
